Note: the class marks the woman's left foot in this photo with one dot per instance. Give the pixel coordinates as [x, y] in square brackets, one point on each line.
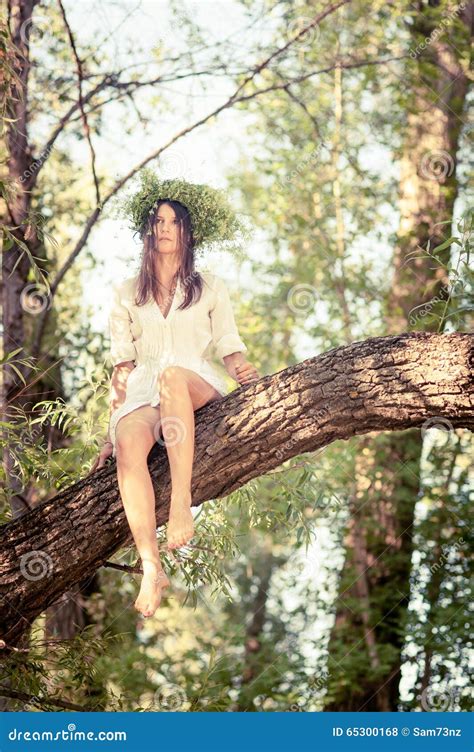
[154, 580]
[180, 523]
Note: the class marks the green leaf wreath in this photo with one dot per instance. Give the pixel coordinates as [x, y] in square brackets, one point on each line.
[213, 219]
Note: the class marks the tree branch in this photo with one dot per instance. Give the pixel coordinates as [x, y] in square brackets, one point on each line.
[130, 86]
[42, 702]
[81, 100]
[382, 384]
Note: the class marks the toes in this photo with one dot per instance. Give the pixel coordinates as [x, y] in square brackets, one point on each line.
[184, 537]
[176, 541]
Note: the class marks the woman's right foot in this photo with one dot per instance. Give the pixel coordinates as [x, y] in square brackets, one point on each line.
[153, 582]
[180, 527]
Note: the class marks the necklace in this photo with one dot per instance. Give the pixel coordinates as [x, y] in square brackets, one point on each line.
[164, 308]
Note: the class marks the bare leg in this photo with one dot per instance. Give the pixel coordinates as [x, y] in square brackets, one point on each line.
[182, 391]
[134, 438]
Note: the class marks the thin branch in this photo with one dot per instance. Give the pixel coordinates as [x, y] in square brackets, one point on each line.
[280, 50]
[140, 84]
[123, 567]
[306, 76]
[81, 102]
[42, 702]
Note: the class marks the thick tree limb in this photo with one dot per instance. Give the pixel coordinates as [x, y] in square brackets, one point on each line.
[382, 384]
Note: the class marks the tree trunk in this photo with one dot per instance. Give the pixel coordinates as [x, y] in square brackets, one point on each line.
[263, 567]
[375, 582]
[20, 298]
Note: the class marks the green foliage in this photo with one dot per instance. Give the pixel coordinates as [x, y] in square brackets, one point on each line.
[52, 670]
[245, 626]
[213, 220]
[439, 619]
[452, 308]
[27, 438]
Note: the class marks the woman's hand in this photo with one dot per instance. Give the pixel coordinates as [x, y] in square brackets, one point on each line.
[105, 452]
[246, 373]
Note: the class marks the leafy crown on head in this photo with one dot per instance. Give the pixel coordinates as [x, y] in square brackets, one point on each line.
[213, 219]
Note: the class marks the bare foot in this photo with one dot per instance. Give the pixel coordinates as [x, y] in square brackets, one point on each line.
[180, 523]
[153, 581]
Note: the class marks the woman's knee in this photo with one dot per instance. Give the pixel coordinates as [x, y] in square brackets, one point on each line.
[133, 441]
[171, 379]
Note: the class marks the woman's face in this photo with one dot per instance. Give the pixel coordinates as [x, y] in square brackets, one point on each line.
[166, 230]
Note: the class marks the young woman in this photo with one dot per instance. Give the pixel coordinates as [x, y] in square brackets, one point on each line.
[164, 322]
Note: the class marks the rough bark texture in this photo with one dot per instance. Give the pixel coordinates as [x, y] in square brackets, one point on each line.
[17, 318]
[381, 384]
[428, 168]
[15, 263]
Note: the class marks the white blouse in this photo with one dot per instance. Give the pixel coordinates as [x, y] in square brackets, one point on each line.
[184, 338]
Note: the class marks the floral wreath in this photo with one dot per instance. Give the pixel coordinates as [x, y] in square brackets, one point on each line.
[213, 219]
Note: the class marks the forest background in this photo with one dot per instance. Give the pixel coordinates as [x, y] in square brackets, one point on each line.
[338, 580]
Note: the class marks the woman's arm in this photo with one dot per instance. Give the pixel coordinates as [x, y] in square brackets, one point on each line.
[122, 350]
[226, 338]
[122, 345]
[118, 387]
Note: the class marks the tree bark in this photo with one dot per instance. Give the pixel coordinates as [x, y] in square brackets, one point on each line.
[17, 316]
[381, 384]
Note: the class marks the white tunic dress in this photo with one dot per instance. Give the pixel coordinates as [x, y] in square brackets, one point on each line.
[184, 338]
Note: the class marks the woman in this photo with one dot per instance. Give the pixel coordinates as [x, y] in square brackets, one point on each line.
[163, 323]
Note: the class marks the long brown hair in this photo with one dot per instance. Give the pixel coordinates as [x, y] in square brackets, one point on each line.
[192, 281]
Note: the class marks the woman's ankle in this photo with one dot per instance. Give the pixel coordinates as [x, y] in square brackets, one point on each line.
[180, 494]
[150, 563]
